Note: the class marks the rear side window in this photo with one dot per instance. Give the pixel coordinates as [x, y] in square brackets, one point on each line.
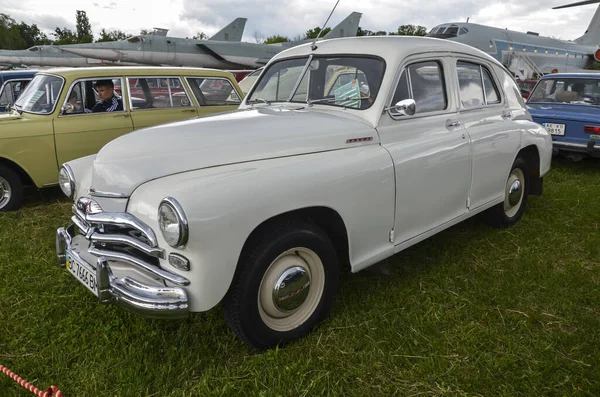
[477, 87]
[423, 82]
[213, 91]
[157, 93]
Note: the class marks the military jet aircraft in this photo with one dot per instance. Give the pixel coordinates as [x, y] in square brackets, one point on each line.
[202, 53]
[50, 55]
[529, 54]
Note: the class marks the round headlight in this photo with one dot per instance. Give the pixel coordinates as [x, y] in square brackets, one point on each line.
[173, 223]
[66, 180]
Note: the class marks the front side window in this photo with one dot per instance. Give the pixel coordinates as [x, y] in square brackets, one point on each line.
[347, 81]
[580, 91]
[423, 82]
[41, 95]
[213, 91]
[94, 96]
[157, 92]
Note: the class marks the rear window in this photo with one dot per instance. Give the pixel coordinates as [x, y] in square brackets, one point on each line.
[581, 91]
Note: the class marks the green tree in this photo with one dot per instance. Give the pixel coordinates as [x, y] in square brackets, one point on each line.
[32, 35]
[276, 39]
[64, 36]
[410, 30]
[83, 28]
[313, 33]
[113, 35]
[365, 32]
[145, 32]
[200, 36]
[10, 36]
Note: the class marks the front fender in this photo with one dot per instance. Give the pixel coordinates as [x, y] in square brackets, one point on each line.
[225, 204]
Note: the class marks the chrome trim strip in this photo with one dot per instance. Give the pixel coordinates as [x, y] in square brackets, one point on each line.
[120, 219]
[184, 228]
[84, 229]
[130, 241]
[174, 278]
[97, 193]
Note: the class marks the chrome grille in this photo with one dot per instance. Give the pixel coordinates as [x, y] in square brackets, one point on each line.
[122, 237]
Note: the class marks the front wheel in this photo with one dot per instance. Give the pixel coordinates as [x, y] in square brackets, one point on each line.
[11, 189]
[284, 286]
[511, 210]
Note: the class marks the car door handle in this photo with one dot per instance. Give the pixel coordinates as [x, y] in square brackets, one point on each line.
[451, 123]
[507, 115]
[189, 110]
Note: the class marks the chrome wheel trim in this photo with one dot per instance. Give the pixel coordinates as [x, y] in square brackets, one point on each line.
[304, 269]
[514, 192]
[5, 192]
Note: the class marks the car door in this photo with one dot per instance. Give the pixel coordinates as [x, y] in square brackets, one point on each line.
[430, 150]
[79, 133]
[158, 100]
[485, 114]
[213, 94]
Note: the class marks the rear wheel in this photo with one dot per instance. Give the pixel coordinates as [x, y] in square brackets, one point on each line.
[284, 286]
[511, 210]
[11, 189]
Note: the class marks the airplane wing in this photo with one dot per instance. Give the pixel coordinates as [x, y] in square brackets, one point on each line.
[235, 60]
[232, 32]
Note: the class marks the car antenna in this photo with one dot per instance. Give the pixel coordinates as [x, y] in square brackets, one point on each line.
[313, 45]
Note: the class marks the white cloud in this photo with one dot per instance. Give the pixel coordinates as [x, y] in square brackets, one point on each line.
[184, 18]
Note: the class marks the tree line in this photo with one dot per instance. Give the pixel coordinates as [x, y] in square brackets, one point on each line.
[20, 36]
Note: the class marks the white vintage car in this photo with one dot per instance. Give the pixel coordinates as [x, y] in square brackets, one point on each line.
[344, 153]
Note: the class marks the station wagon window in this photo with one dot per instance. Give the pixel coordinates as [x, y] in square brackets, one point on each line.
[213, 91]
[41, 95]
[157, 92]
[346, 81]
[83, 96]
[423, 82]
[476, 85]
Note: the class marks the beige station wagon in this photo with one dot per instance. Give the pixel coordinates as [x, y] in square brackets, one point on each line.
[56, 118]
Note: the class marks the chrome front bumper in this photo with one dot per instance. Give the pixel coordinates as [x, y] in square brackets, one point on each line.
[144, 300]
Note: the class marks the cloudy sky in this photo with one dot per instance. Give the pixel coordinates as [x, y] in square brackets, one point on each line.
[184, 18]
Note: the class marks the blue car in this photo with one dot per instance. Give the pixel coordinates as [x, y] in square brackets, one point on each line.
[12, 83]
[568, 106]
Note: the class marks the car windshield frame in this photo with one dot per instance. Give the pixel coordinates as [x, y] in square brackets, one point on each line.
[534, 97]
[33, 86]
[328, 60]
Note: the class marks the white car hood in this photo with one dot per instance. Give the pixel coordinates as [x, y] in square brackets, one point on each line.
[239, 136]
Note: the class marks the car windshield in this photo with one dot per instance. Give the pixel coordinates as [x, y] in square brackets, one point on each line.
[41, 95]
[580, 91]
[348, 81]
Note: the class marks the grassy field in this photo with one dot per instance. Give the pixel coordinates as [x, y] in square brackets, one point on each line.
[473, 311]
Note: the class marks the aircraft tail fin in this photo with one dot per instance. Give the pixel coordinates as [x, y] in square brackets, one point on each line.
[592, 34]
[232, 32]
[347, 28]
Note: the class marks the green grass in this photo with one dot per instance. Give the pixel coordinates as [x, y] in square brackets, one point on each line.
[473, 311]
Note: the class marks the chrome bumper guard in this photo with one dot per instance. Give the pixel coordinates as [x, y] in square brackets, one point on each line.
[141, 299]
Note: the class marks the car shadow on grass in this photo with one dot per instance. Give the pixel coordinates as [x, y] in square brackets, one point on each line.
[42, 197]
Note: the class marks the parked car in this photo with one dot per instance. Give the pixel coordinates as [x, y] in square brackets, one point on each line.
[51, 125]
[249, 79]
[260, 208]
[12, 83]
[568, 106]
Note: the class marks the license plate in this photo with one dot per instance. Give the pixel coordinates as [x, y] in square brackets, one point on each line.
[84, 273]
[595, 137]
[555, 129]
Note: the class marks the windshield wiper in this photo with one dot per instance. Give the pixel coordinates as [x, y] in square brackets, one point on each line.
[311, 101]
[259, 100]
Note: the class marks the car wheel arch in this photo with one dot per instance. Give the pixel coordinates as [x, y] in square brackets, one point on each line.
[23, 175]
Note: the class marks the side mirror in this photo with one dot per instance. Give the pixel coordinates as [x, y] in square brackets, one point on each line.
[67, 108]
[406, 107]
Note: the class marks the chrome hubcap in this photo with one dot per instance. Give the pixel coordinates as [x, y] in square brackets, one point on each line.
[514, 193]
[5, 193]
[291, 289]
[515, 186]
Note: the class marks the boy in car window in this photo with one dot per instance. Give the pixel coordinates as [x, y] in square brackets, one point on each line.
[108, 101]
